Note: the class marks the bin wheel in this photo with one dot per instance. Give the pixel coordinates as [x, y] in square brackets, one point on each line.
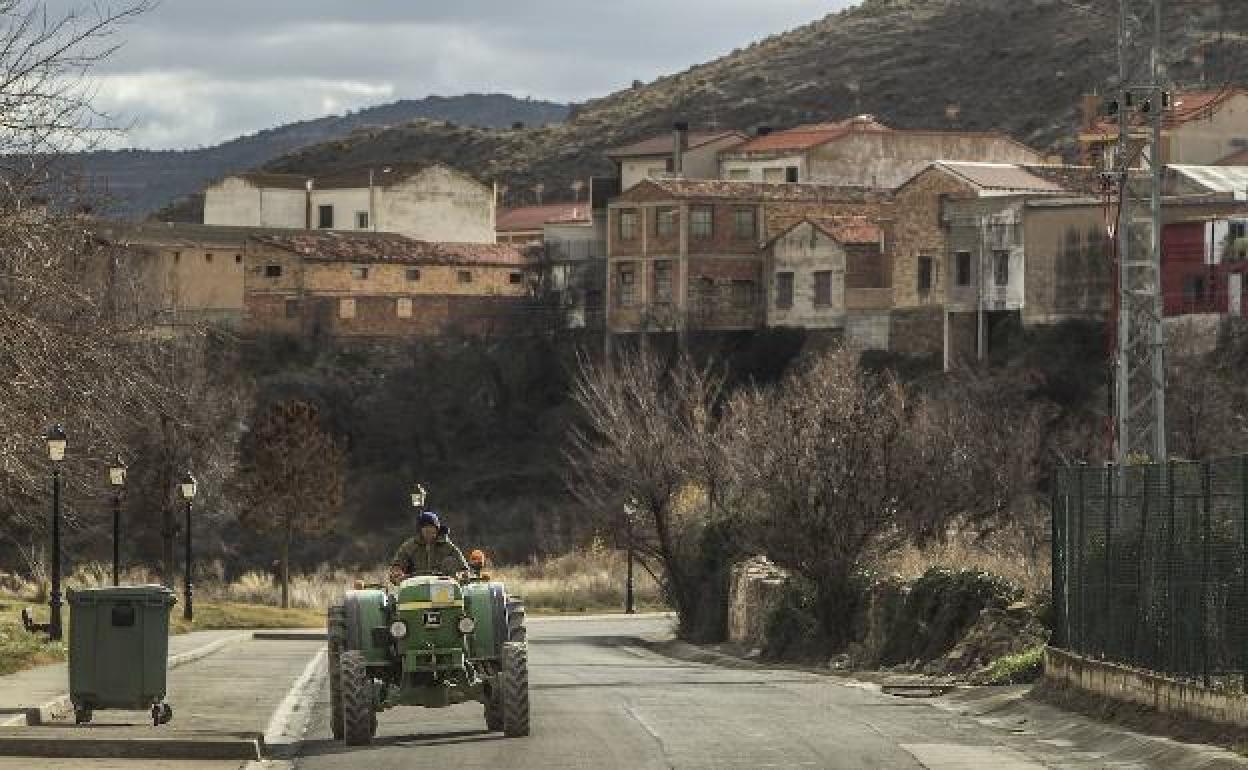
[166, 713]
[82, 716]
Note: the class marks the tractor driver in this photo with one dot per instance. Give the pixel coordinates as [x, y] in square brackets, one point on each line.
[429, 553]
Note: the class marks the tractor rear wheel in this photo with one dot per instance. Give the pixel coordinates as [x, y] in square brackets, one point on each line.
[515, 684]
[517, 631]
[359, 716]
[337, 627]
[494, 708]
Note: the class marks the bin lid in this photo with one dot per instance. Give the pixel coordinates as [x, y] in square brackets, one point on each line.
[149, 593]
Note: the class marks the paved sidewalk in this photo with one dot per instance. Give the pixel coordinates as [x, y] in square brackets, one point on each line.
[36, 686]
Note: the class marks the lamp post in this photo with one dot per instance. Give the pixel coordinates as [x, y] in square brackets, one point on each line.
[117, 479]
[187, 487]
[57, 441]
[630, 513]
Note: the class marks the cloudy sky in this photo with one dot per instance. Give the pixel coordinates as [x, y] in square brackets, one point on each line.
[196, 72]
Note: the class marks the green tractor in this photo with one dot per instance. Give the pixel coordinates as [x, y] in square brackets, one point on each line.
[437, 642]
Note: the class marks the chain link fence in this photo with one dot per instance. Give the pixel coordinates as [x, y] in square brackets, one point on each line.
[1150, 566]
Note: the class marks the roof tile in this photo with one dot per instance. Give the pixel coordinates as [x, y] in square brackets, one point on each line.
[390, 248]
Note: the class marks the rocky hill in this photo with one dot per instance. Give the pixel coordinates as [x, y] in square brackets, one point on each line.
[138, 182]
[1018, 66]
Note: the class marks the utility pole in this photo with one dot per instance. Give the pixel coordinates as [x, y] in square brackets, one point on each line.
[1140, 375]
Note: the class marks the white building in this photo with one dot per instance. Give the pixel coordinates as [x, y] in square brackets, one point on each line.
[684, 154]
[430, 203]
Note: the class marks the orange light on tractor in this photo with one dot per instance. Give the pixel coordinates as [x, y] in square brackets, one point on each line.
[477, 558]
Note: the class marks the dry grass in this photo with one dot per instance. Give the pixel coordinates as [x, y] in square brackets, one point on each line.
[1005, 554]
[591, 579]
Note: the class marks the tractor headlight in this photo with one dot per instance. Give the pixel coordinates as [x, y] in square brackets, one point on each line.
[398, 629]
[467, 625]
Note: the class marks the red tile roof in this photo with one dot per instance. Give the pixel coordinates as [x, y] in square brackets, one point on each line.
[391, 248]
[662, 145]
[1234, 159]
[1000, 176]
[1188, 106]
[765, 192]
[842, 229]
[811, 135]
[534, 217]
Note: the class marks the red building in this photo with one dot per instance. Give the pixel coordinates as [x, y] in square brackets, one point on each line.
[1203, 270]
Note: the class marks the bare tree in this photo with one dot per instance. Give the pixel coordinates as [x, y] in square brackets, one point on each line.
[292, 477]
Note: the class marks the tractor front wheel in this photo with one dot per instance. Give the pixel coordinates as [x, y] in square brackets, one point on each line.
[337, 622]
[359, 716]
[494, 708]
[516, 628]
[515, 685]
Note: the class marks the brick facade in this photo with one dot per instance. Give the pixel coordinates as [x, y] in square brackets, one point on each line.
[917, 232]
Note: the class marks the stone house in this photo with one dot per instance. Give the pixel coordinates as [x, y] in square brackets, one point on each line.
[828, 274]
[380, 285]
[688, 255]
[693, 155]
[1203, 127]
[861, 152]
[432, 203]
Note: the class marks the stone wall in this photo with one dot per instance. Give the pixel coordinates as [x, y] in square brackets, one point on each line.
[755, 591]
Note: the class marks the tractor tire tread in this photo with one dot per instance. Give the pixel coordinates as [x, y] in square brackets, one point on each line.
[337, 628]
[515, 683]
[358, 714]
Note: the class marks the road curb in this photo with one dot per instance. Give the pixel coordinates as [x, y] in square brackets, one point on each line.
[62, 706]
[290, 636]
[237, 746]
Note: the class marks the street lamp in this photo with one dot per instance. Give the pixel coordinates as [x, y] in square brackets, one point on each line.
[117, 480]
[188, 487]
[418, 497]
[57, 442]
[630, 513]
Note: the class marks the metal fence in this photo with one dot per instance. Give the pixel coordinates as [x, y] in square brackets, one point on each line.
[1149, 566]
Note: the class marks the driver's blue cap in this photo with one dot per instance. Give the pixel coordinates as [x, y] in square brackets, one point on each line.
[429, 519]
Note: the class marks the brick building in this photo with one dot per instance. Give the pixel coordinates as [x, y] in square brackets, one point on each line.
[380, 285]
[689, 255]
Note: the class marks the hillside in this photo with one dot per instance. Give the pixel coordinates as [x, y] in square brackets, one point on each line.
[1018, 66]
[141, 181]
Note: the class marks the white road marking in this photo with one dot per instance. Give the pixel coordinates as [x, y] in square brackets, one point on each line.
[290, 721]
[949, 756]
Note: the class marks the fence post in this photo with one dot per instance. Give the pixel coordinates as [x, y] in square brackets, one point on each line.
[1172, 620]
[1207, 494]
[1143, 555]
[1107, 605]
[1081, 625]
[1057, 556]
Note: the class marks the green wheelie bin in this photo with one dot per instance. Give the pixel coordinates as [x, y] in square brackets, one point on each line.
[119, 650]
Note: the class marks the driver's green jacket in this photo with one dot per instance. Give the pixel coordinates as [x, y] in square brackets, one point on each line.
[440, 557]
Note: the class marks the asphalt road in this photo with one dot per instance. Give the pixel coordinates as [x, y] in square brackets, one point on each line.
[603, 701]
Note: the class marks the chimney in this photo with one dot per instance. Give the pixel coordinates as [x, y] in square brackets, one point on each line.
[680, 143]
[763, 130]
[1090, 110]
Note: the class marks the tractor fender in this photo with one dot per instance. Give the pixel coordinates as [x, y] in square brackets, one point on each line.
[487, 604]
[365, 610]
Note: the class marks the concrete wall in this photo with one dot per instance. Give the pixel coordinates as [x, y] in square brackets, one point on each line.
[1129, 685]
[701, 162]
[887, 160]
[983, 227]
[755, 169]
[437, 204]
[636, 170]
[756, 589]
[1209, 140]
[1068, 274]
[803, 251]
[237, 202]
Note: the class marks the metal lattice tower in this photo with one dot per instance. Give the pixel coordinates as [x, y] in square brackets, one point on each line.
[1136, 175]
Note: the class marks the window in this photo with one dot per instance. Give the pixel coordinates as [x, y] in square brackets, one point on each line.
[627, 279]
[823, 288]
[663, 282]
[403, 307]
[784, 290]
[515, 279]
[326, 220]
[628, 224]
[361, 220]
[346, 309]
[238, 259]
[208, 257]
[1193, 288]
[1239, 230]
[962, 264]
[773, 175]
[413, 274]
[669, 165]
[359, 273]
[292, 308]
[701, 222]
[464, 276]
[925, 274]
[739, 174]
[742, 294]
[745, 224]
[790, 174]
[272, 271]
[177, 256]
[1001, 268]
[665, 222]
